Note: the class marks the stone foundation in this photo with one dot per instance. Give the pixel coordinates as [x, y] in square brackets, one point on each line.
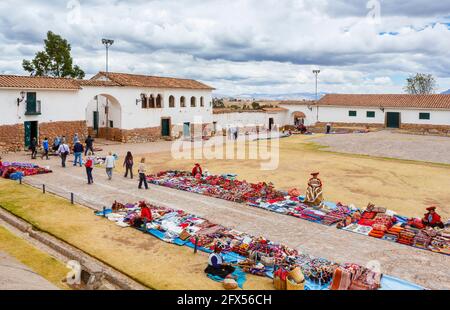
[426, 129]
[413, 128]
[68, 129]
[355, 125]
[12, 138]
[141, 135]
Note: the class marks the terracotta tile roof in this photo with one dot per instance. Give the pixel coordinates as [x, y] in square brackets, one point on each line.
[275, 109]
[387, 101]
[297, 102]
[97, 83]
[124, 79]
[227, 110]
[29, 82]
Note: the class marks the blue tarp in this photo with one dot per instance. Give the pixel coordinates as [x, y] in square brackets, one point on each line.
[389, 283]
[241, 277]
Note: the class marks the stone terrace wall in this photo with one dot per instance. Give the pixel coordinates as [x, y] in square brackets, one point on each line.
[68, 129]
[12, 138]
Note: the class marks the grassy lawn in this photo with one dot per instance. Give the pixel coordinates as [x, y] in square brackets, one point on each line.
[156, 264]
[407, 187]
[41, 263]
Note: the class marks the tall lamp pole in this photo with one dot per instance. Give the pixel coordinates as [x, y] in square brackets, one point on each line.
[316, 73]
[107, 43]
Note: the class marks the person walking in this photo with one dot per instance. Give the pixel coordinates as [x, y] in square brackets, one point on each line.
[56, 143]
[128, 164]
[142, 176]
[89, 168]
[33, 148]
[110, 163]
[45, 148]
[78, 152]
[75, 138]
[63, 151]
[89, 145]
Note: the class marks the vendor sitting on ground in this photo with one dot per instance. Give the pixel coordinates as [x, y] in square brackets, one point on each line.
[197, 170]
[217, 265]
[314, 195]
[432, 219]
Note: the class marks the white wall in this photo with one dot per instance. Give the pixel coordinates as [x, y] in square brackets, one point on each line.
[55, 106]
[408, 116]
[341, 115]
[412, 117]
[133, 116]
[249, 119]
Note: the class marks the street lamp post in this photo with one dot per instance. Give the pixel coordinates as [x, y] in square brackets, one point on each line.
[107, 43]
[316, 73]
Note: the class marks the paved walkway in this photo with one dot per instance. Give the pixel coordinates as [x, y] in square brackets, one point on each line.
[391, 144]
[16, 276]
[425, 268]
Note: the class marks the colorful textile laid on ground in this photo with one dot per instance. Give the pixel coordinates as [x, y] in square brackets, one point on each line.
[253, 255]
[375, 221]
[15, 171]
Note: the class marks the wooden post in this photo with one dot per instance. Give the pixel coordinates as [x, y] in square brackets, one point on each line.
[71, 198]
[104, 211]
[196, 244]
[43, 188]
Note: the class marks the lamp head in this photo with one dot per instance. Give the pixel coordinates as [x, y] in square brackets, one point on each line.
[107, 42]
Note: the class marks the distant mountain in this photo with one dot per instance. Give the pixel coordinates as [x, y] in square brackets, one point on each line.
[447, 92]
[287, 96]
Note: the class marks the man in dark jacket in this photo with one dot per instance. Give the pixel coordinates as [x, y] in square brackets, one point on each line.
[89, 145]
[78, 152]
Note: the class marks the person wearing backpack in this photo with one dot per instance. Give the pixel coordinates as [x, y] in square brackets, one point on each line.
[89, 167]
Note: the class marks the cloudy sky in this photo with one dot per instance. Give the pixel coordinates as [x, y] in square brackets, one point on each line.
[243, 46]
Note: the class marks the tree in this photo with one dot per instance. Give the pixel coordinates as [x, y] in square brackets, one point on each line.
[218, 103]
[420, 84]
[255, 105]
[55, 60]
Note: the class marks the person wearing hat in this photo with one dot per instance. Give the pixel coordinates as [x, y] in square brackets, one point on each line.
[197, 170]
[432, 219]
[217, 265]
[314, 196]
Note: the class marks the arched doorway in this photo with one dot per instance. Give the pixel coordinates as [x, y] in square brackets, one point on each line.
[104, 117]
[299, 118]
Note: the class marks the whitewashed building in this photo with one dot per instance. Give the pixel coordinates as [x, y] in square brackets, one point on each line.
[116, 106]
[411, 112]
[424, 112]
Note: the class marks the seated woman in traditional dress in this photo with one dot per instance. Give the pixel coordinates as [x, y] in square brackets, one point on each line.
[217, 265]
[314, 196]
[432, 219]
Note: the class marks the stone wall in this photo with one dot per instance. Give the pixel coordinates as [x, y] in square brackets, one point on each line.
[12, 138]
[431, 129]
[141, 135]
[68, 129]
[356, 125]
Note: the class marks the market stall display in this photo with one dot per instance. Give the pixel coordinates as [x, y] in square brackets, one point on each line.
[374, 221]
[16, 170]
[254, 255]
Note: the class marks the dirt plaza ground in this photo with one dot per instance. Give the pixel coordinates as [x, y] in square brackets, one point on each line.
[404, 186]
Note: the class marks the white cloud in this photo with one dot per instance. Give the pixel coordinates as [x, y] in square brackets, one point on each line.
[244, 45]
